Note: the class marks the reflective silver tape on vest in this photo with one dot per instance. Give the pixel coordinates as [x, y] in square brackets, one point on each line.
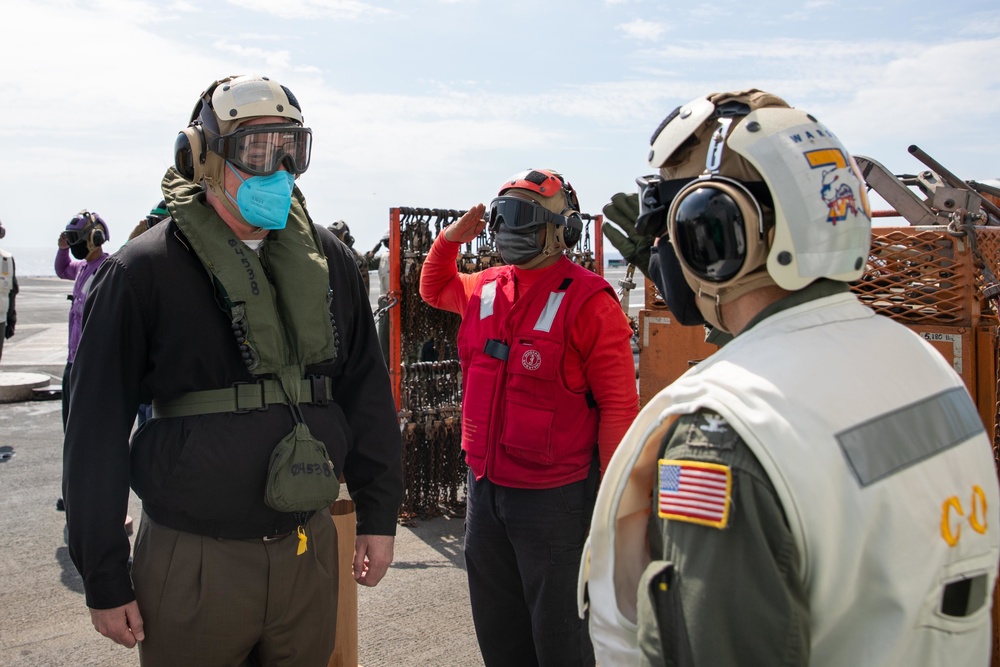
[892, 442]
[486, 298]
[548, 315]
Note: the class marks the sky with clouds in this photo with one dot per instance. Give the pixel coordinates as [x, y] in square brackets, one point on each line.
[434, 103]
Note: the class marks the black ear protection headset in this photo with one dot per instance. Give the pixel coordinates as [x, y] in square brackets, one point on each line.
[97, 235]
[573, 229]
[718, 224]
[191, 140]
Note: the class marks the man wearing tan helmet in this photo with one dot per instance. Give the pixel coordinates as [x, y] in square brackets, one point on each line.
[548, 390]
[765, 509]
[247, 329]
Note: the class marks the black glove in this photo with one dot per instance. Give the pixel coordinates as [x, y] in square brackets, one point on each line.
[8, 330]
[634, 247]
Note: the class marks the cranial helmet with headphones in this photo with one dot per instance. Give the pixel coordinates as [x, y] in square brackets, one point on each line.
[751, 193]
[342, 232]
[214, 134]
[87, 227]
[535, 197]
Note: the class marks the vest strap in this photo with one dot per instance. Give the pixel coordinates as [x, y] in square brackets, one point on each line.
[242, 397]
[497, 349]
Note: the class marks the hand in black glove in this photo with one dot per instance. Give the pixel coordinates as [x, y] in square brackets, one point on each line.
[634, 247]
[8, 330]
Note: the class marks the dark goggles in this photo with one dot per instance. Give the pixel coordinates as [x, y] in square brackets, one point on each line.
[74, 236]
[655, 195]
[522, 215]
[709, 232]
[261, 150]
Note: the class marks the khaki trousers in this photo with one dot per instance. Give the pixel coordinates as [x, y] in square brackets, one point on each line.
[235, 603]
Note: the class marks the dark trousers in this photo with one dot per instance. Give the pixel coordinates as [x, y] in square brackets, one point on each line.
[207, 602]
[65, 393]
[522, 551]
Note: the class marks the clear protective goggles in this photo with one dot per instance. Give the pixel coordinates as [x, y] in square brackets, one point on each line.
[261, 150]
[523, 215]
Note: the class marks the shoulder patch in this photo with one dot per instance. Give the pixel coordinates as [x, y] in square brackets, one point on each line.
[694, 491]
[708, 429]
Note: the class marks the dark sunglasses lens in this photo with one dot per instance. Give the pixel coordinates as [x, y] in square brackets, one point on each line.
[513, 213]
[652, 219]
[710, 234]
[72, 237]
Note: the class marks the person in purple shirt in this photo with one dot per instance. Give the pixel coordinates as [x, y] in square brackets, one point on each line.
[83, 237]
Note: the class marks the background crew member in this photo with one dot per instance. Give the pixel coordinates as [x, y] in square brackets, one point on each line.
[8, 292]
[158, 213]
[83, 237]
[340, 229]
[247, 328]
[770, 507]
[548, 390]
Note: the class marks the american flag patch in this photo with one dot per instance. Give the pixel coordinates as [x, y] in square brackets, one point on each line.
[695, 492]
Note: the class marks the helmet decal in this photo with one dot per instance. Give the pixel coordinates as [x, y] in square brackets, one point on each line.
[837, 192]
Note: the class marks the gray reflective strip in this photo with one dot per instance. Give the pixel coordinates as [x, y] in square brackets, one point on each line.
[487, 296]
[548, 315]
[894, 441]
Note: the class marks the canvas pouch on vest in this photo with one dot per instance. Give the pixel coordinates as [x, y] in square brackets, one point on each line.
[300, 474]
[286, 323]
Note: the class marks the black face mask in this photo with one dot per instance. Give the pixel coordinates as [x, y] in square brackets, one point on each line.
[517, 247]
[676, 292]
[80, 250]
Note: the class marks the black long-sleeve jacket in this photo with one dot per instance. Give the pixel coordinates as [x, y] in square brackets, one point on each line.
[153, 329]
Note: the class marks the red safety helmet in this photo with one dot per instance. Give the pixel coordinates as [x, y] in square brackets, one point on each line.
[548, 183]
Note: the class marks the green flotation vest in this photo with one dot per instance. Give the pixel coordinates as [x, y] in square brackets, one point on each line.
[280, 300]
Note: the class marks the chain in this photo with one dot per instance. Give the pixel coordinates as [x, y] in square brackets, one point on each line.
[434, 470]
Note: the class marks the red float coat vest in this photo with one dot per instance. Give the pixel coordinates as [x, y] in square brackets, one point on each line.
[522, 426]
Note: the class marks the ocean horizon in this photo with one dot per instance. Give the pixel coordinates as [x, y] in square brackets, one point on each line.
[33, 262]
[38, 262]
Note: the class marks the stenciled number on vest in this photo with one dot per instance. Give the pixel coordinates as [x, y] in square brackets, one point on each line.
[977, 516]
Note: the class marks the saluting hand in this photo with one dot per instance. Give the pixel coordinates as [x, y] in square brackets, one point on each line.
[468, 227]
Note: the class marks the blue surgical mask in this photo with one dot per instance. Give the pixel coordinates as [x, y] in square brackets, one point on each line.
[264, 201]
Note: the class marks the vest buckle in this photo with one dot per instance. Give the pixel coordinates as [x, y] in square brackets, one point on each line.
[320, 396]
[248, 396]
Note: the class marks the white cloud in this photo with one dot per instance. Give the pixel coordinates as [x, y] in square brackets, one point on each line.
[97, 91]
[273, 60]
[642, 30]
[312, 9]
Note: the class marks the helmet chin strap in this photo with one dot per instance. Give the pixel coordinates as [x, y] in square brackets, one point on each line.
[215, 181]
[710, 297]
